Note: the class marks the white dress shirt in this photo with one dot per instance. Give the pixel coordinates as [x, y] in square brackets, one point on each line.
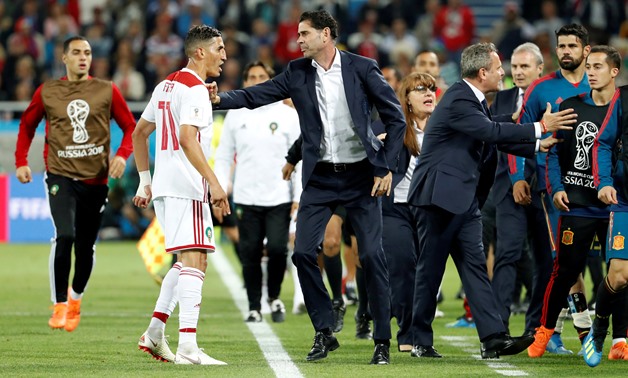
[403, 187]
[340, 143]
[259, 140]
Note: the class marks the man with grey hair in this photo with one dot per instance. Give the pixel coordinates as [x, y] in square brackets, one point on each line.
[515, 222]
[459, 138]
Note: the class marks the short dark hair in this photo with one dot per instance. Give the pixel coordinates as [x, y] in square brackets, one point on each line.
[257, 63]
[66, 43]
[395, 71]
[581, 33]
[199, 34]
[613, 59]
[321, 19]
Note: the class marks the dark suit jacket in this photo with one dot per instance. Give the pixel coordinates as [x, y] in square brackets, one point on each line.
[504, 105]
[364, 87]
[457, 135]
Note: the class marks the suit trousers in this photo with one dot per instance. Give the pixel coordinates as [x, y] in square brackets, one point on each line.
[400, 245]
[515, 224]
[440, 234]
[325, 190]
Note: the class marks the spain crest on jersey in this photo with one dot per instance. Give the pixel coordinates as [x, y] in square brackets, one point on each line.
[567, 238]
[618, 242]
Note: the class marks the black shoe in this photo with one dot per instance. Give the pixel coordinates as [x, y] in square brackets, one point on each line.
[381, 356]
[322, 345]
[505, 345]
[363, 327]
[425, 351]
[339, 308]
[529, 332]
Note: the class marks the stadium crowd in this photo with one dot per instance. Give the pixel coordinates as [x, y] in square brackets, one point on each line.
[137, 43]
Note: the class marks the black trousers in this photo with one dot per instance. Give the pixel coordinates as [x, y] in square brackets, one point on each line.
[515, 224]
[401, 247]
[574, 243]
[327, 189]
[256, 223]
[76, 210]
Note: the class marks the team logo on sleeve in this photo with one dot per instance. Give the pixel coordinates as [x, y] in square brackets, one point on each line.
[567, 237]
[196, 113]
[618, 242]
[209, 233]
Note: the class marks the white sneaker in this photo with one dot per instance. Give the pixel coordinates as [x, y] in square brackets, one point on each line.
[190, 354]
[439, 313]
[158, 348]
[278, 309]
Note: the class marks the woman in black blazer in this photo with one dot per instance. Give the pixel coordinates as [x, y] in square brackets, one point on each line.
[417, 95]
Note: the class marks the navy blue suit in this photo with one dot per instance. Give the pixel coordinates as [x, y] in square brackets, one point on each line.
[514, 224]
[325, 188]
[443, 187]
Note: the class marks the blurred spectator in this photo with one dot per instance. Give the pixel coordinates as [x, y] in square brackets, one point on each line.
[236, 42]
[129, 80]
[424, 29]
[23, 92]
[455, 27]
[6, 23]
[25, 40]
[157, 7]
[399, 40]
[191, 15]
[127, 12]
[601, 15]
[30, 10]
[268, 10]
[101, 42]
[59, 24]
[366, 41]
[511, 30]
[164, 49]
[399, 9]
[549, 22]
[136, 35]
[261, 35]
[23, 71]
[234, 12]
[265, 55]
[286, 47]
[54, 68]
[101, 68]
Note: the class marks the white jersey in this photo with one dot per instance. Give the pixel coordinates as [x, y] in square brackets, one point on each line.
[181, 99]
[259, 139]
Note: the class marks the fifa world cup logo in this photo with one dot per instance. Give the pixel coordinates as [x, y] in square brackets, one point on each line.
[585, 136]
[78, 110]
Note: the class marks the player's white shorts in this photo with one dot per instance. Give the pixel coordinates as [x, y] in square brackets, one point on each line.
[187, 224]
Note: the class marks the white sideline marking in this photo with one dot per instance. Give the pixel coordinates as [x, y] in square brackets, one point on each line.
[269, 343]
[503, 368]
